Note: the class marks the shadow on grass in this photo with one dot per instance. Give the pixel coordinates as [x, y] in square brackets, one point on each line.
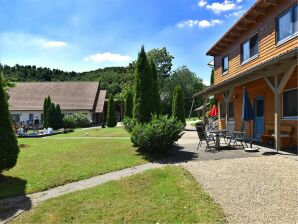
[174, 155]
[12, 186]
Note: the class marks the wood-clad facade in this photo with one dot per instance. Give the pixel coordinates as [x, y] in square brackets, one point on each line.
[259, 53]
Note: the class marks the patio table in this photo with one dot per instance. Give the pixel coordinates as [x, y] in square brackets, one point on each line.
[218, 133]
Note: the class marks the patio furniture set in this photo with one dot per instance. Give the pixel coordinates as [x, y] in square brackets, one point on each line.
[212, 137]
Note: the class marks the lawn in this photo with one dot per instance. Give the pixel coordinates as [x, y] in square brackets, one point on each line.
[97, 132]
[46, 163]
[165, 195]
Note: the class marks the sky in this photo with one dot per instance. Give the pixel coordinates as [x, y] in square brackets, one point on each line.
[84, 35]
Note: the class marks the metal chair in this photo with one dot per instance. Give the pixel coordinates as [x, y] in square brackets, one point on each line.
[239, 137]
[203, 136]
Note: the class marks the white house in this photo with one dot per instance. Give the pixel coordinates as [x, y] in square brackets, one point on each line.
[26, 99]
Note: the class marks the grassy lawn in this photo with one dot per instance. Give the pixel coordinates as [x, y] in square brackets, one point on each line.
[166, 195]
[46, 163]
[97, 132]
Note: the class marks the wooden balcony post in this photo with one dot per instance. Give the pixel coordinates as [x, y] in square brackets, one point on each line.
[204, 110]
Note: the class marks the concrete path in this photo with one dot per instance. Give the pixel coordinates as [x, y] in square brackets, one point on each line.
[251, 190]
[12, 207]
[87, 137]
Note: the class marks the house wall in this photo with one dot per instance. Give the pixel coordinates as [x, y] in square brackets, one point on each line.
[265, 25]
[260, 88]
[24, 115]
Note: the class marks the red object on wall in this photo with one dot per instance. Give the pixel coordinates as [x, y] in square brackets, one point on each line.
[214, 111]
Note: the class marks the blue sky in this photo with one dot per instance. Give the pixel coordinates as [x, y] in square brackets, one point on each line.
[83, 35]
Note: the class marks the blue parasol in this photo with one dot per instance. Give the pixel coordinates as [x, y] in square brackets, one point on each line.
[247, 111]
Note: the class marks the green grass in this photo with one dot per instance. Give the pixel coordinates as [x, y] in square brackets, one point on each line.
[46, 163]
[166, 195]
[97, 132]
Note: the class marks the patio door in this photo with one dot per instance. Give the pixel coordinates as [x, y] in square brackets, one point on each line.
[259, 117]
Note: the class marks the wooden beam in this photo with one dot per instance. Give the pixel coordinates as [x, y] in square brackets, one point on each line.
[271, 2]
[234, 34]
[270, 84]
[250, 19]
[204, 110]
[285, 78]
[260, 11]
[242, 27]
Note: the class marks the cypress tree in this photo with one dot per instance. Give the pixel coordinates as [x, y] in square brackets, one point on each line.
[178, 104]
[128, 104]
[155, 89]
[59, 116]
[9, 148]
[111, 117]
[142, 99]
[212, 77]
[51, 114]
[46, 105]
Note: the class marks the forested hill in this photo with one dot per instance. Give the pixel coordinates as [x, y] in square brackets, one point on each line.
[28, 73]
[110, 78]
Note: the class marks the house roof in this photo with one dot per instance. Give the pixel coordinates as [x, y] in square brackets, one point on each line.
[69, 95]
[276, 65]
[250, 17]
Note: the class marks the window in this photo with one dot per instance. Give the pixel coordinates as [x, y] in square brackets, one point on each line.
[231, 111]
[31, 117]
[250, 48]
[16, 117]
[225, 64]
[223, 111]
[286, 24]
[290, 105]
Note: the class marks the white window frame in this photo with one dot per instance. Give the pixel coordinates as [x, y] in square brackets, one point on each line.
[282, 107]
[224, 72]
[280, 42]
[250, 57]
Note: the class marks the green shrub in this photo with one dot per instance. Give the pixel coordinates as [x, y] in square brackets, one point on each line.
[129, 123]
[158, 135]
[76, 120]
[69, 122]
[81, 120]
[9, 149]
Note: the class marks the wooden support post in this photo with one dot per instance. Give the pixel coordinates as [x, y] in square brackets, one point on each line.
[227, 95]
[277, 88]
[204, 109]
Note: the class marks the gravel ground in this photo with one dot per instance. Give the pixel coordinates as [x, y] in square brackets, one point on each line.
[252, 190]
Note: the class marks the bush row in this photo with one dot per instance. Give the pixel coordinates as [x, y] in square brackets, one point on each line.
[76, 120]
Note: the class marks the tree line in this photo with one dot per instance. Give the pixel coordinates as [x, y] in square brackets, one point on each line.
[119, 80]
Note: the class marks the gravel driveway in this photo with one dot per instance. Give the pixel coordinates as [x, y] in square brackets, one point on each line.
[252, 190]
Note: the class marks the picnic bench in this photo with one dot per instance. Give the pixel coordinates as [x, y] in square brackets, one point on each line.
[285, 135]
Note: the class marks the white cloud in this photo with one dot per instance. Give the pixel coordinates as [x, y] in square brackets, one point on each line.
[202, 3]
[108, 57]
[235, 14]
[199, 23]
[239, 1]
[206, 82]
[54, 44]
[218, 7]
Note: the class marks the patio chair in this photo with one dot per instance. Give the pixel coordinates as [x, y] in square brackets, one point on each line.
[239, 137]
[203, 136]
[230, 129]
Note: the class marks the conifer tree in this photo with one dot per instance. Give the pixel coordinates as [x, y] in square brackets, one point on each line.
[9, 148]
[212, 77]
[51, 114]
[178, 104]
[111, 117]
[142, 99]
[155, 89]
[59, 116]
[46, 105]
[128, 104]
